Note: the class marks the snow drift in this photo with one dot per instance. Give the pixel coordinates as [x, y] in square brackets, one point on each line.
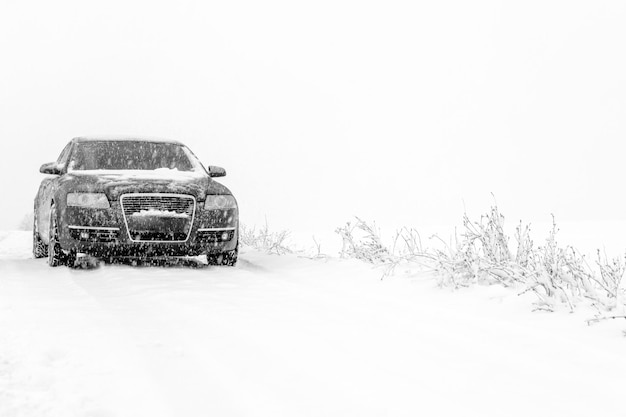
[288, 336]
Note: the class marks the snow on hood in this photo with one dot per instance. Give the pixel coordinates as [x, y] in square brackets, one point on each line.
[157, 174]
[117, 182]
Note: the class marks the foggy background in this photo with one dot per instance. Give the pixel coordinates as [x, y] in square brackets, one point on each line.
[405, 113]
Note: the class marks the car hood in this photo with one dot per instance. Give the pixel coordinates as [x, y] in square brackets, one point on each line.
[116, 183]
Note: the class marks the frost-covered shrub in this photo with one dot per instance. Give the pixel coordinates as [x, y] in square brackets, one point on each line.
[482, 253]
[264, 240]
[610, 279]
[362, 241]
[555, 274]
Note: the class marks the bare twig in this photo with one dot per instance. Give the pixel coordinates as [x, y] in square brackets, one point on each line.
[599, 319]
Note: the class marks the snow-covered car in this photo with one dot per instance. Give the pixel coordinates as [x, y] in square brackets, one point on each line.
[127, 197]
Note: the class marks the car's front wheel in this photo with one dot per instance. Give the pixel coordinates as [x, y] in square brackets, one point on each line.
[56, 255]
[228, 258]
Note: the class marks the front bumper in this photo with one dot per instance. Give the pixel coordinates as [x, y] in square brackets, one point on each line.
[104, 233]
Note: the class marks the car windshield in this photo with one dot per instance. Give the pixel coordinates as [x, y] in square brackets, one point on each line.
[131, 155]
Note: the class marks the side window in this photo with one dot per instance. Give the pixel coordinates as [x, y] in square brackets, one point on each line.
[64, 154]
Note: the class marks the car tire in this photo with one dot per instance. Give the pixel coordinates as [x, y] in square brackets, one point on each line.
[56, 255]
[40, 250]
[228, 258]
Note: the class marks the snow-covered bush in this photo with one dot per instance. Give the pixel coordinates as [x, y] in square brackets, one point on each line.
[482, 253]
[362, 241]
[610, 279]
[264, 240]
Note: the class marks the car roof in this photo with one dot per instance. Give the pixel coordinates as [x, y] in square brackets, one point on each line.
[80, 139]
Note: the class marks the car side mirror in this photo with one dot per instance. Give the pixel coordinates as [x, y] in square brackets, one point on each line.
[51, 168]
[215, 171]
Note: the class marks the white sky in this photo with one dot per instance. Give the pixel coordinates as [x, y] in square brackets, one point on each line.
[399, 112]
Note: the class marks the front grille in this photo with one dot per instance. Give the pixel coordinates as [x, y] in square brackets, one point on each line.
[134, 204]
[158, 217]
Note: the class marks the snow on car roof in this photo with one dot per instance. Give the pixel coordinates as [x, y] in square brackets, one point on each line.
[114, 138]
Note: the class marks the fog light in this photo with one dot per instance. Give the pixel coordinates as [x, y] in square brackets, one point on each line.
[225, 236]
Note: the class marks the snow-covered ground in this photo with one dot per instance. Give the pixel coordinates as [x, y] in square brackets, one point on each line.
[289, 336]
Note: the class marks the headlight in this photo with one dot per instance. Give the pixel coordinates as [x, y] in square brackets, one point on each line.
[220, 202]
[91, 200]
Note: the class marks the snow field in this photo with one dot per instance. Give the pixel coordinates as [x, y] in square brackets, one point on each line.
[288, 336]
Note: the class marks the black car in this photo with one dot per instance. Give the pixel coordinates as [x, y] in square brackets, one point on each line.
[127, 197]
